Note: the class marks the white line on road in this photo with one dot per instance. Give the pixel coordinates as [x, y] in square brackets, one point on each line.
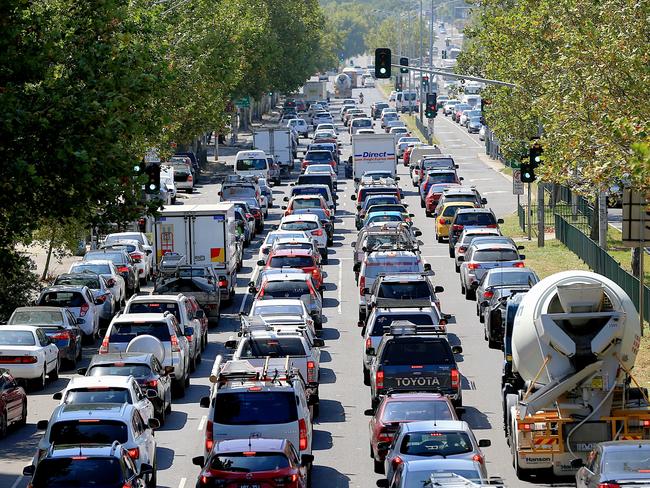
[465, 135]
[17, 482]
[495, 192]
[181, 484]
[340, 280]
[202, 423]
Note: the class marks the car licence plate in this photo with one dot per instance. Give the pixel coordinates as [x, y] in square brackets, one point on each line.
[250, 486]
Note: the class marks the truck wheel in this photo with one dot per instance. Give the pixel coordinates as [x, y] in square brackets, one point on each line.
[378, 466]
[366, 377]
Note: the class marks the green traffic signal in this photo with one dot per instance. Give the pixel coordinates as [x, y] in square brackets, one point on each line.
[382, 62]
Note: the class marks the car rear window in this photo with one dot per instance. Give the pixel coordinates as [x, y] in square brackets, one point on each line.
[16, 338]
[310, 191]
[268, 309]
[362, 123]
[417, 351]
[436, 444]
[392, 265]
[234, 192]
[383, 200]
[318, 155]
[442, 178]
[415, 410]
[300, 225]
[91, 281]
[120, 369]
[156, 307]
[450, 210]
[78, 471]
[306, 203]
[384, 218]
[255, 408]
[36, 317]
[383, 322]
[274, 347]
[294, 245]
[249, 462]
[291, 262]
[438, 163]
[636, 460]
[98, 395]
[251, 164]
[62, 299]
[125, 331]
[196, 285]
[115, 257]
[496, 255]
[404, 291]
[315, 180]
[95, 268]
[364, 192]
[89, 431]
[286, 289]
[476, 218]
[518, 278]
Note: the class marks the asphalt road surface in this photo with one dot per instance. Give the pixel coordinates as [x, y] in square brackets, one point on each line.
[341, 432]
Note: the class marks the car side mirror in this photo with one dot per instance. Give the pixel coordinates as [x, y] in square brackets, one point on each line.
[57, 396]
[460, 258]
[319, 342]
[499, 221]
[29, 470]
[484, 303]
[82, 371]
[365, 291]
[145, 469]
[198, 461]
[577, 463]
[520, 248]
[151, 394]
[427, 267]
[231, 344]
[417, 233]
[110, 282]
[461, 178]
[383, 446]
[396, 178]
[353, 197]
[411, 215]
[204, 402]
[359, 207]
[283, 207]
[261, 262]
[484, 443]
[357, 180]
[335, 197]
[484, 201]
[79, 321]
[285, 199]
[371, 351]
[360, 323]
[306, 459]
[169, 370]
[252, 290]
[153, 423]
[522, 256]
[457, 349]
[439, 289]
[383, 483]
[42, 425]
[369, 412]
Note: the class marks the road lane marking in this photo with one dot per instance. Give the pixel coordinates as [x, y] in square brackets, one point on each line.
[17, 482]
[340, 280]
[465, 136]
[181, 484]
[202, 423]
[495, 192]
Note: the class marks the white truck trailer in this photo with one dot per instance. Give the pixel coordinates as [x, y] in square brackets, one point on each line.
[575, 339]
[373, 152]
[342, 86]
[277, 143]
[315, 90]
[206, 235]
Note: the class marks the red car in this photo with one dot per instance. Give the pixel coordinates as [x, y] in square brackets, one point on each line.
[437, 176]
[407, 155]
[13, 402]
[398, 408]
[302, 259]
[433, 196]
[254, 462]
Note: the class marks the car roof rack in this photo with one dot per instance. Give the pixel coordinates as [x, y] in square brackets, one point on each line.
[273, 370]
[453, 480]
[258, 322]
[406, 327]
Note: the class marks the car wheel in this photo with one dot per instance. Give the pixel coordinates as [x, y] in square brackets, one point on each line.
[439, 239]
[153, 479]
[462, 288]
[3, 424]
[143, 281]
[187, 379]
[451, 252]
[199, 357]
[72, 363]
[193, 363]
[378, 466]
[162, 414]
[38, 384]
[23, 415]
[54, 374]
[470, 294]
[366, 377]
[80, 352]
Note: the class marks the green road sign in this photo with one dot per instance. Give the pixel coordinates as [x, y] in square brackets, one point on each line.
[243, 102]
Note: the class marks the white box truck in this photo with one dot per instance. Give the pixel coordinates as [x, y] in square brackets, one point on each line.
[206, 235]
[373, 152]
[276, 142]
[315, 90]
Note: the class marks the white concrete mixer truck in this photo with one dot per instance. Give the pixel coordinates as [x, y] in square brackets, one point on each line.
[342, 86]
[575, 339]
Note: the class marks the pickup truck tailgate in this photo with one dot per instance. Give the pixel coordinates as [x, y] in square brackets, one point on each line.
[417, 377]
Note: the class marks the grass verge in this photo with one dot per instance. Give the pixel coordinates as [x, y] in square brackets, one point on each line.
[410, 123]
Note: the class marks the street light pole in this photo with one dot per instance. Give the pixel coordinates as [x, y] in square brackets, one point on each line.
[412, 56]
[420, 92]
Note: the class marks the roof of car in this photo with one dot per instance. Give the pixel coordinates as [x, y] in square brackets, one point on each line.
[291, 252]
[510, 270]
[287, 275]
[156, 298]
[69, 450]
[474, 210]
[460, 190]
[299, 217]
[249, 444]
[624, 445]
[140, 317]
[41, 309]
[455, 203]
[401, 277]
[443, 465]
[96, 381]
[64, 288]
[432, 397]
[117, 357]
[492, 245]
[481, 230]
[383, 255]
[91, 261]
[277, 302]
[78, 411]
[436, 425]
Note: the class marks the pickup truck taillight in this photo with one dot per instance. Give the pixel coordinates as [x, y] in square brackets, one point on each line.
[379, 380]
[209, 439]
[362, 284]
[103, 349]
[302, 432]
[455, 379]
[311, 372]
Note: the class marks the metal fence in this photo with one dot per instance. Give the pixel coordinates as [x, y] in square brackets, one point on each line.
[423, 127]
[563, 209]
[600, 261]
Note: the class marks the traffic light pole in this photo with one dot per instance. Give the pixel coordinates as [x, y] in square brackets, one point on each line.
[529, 211]
[447, 74]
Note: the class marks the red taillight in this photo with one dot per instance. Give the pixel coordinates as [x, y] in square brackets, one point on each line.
[473, 266]
[609, 485]
[379, 379]
[457, 227]
[83, 310]
[137, 257]
[134, 453]
[311, 372]
[385, 437]
[315, 273]
[362, 284]
[317, 232]
[455, 379]
[102, 298]
[209, 442]
[190, 178]
[488, 294]
[61, 336]
[151, 384]
[478, 458]
[302, 427]
[175, 346]
[18, 359]
[462, 249]
[103, 349]
[249, 216]
[127, 484]
[122, 269]
[492, 226]
[519, 264]
[396, 462]
[223, 283]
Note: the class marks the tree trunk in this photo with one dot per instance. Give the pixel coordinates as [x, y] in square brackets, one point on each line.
[49, 256]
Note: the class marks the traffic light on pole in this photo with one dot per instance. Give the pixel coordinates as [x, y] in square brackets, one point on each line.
[152, 186]
[382, 62]
[425, 83]
[431, 108]
[536, 153]
[404, 62]
[528, 165]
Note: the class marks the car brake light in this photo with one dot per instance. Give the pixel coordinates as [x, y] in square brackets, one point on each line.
[478, 458]
[61, 336]
[209, 442]
[122, 269]
[18, 359]
[519, 264]
[379, 380]
[83, 310]
[302, 428]
[488, 294]
[190, 178]
[151, 383]
[455, 379]
[385, 437]
[457, 227]
[175, 346]
[462, 249]
[134, 453]
[127, 484]
[249, 216]
[311, 372]
[102, 298]
[317, 232]
[609, 485]
[137, 257]
[362, 284]
[103, 349]
[223, 283]
[396, 461]
[473, 266]
[492, 226]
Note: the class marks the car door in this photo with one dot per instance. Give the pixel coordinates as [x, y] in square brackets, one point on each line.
[50, 351]
[164, 381]
[140, 400]
[143, 438]
[12, 396]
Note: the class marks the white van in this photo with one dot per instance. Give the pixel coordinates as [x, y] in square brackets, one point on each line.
[473, 101]
[252, 163]
[406, 99]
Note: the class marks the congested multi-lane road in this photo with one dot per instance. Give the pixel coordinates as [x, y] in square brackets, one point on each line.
[341, 431]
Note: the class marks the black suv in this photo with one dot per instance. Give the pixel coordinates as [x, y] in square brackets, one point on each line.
[470, 217]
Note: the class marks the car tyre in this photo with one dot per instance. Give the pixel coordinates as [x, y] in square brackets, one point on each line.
[470, 294]
[54, 374]
[193, 364]
[3, 424]
[153, 479]
[439, 239]
[23, 416]
[422, 205]
[378, 466]
[366, 377]
[38, 384]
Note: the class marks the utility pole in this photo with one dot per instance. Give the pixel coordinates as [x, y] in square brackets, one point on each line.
[420, 91]
[412, 56]
[529, 212]
[540, 215]
[602, 220]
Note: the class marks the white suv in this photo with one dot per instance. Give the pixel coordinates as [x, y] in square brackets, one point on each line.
[311, 225]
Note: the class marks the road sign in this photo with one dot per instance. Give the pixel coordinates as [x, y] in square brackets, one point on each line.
[243, 102]
[636, 219]
[517, 185]
[152, 156]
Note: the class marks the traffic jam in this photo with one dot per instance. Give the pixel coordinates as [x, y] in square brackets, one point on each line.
[152, 300]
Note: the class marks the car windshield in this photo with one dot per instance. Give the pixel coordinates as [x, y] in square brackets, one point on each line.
[319, 155]
[415, 410]
[437, 163]
[89, 431]
[269, 309]
[635, 460]
[251, 164]
[37, 317]
[404, 290]
[70, 299]
[495, 255]
[300, 225]
[286, 289]
[255, 408]
[125, 331]
[78, 471]
[274, 347]
[436, 443]
[417, 351]
[95, 268]
[476, 219]
[156, 307]
[120, 369]
[511, 278]
[90, 281]
[442, 178]
[291, 262]
[249, 462]
[383, 322]
[98, 395]
[302, 203]
[17, 338]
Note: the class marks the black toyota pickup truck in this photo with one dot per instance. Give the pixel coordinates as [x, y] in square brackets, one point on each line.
[416, 362]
